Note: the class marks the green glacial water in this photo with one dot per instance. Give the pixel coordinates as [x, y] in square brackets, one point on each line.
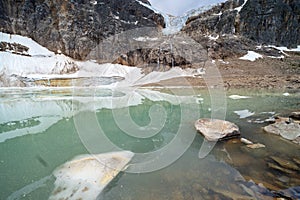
[40, 129]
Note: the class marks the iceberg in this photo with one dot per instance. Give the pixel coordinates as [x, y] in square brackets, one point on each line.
[86, 176]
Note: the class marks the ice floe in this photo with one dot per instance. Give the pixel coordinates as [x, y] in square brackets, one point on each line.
[244, 113]
[235, 97]
[85, 176]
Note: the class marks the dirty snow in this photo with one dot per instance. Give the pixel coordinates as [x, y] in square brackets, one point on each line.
[51, 65]
[251, 56]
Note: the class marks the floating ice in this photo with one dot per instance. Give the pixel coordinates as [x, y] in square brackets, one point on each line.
[244, 113]
[238, 97]
[85, 177]
[286, 94]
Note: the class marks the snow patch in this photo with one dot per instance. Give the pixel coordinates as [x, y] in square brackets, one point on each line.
[145, 39]
[241, 7]
[223, 62]
[213, 37]
[282, 49]
[276, 57]
[244, 113]
[34, 48]
[94, 2]
[251, 56]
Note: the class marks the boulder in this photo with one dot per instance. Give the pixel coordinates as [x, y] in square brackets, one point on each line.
[295, 115]
[215, 129]
[288, 164]
[256, 146]
[287, 129]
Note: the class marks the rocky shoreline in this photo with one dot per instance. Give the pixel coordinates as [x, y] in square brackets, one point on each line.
[265, 73]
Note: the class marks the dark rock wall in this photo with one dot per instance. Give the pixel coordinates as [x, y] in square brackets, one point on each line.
[271, 22]
[74, 26]
[274, 22]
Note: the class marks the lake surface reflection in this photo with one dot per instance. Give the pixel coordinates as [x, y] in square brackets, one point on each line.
[40, 129]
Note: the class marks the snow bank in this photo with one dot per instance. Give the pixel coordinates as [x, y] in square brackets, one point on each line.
[282, 49]
[51, 66]
[14, 64]
[34, 48]
[251, 55]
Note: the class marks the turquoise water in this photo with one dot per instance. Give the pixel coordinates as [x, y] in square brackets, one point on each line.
[42, 129]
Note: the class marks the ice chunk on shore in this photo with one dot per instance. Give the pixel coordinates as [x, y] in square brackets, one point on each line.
[85, 176]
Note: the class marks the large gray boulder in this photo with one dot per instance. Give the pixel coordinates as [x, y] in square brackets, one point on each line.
[286, 128]
[215, 129]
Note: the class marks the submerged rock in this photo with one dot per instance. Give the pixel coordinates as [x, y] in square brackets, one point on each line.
[256, 146]
[297, 160]
[295, 115]
[285, 163]
[276, 167]
[288, 129]
[215, 129]
[290, 193]
[254, 150]
[85, 177]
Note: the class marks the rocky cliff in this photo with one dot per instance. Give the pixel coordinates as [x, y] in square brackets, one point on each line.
[236, 24]
[78, 27]
[74, 27]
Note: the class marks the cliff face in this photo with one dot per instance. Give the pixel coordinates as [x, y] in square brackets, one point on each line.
[275, 22]
[74, 26]
[271, 22]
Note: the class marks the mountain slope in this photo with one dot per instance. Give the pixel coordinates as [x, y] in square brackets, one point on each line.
[275, 22]
[74, 27]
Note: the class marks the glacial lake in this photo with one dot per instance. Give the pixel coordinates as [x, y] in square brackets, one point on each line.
[41, 129]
